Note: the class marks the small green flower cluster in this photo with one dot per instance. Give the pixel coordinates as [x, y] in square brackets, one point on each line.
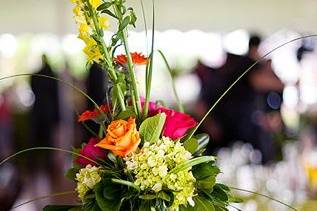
[151, 166]
[86, 179]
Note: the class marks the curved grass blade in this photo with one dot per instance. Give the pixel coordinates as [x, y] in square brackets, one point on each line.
[266, 196]
[145, 25]
[126, 183]
[46, 148]
[44, 197]
[179, 103]
[56, 79]
[149, 67]
[192, 162]
[241, 76]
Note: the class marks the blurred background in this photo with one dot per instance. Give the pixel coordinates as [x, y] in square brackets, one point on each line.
[264, 131]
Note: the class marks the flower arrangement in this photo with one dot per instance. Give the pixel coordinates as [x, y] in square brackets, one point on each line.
[146, 156]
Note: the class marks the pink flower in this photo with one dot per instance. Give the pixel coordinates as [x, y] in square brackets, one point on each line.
[92, 152]
[176, 124]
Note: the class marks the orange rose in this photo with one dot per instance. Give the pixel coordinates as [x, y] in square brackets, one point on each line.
[122, 137]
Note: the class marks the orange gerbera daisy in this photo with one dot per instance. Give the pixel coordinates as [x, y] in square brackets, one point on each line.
[137, 58]
[94, 114]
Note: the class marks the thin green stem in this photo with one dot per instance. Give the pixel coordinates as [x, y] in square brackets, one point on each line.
[45, 197]
[145, 25]
[149, 68]
[130, 62]
[108, 59]
[179, 104]
[241, 76]
[46, 148]
[260, 194]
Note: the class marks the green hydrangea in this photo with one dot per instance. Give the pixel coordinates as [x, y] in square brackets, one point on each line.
[151, 166]
[86, 179]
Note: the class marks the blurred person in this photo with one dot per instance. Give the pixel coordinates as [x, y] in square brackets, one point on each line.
[236, 117]
[6, 127]
[44, 113]
[10, 181]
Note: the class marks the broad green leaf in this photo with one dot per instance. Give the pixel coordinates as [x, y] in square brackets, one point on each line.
[205, 170]
[107, 197]
[151, 128]
[109, 13]
[207, 183]
[191, 145]
[124, 23]
[192, 162]
[201, 204]
[104, 6]
[126, 114]
[220, 193]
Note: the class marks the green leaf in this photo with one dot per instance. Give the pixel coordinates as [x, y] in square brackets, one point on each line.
[207, 183]
[201, 204]
[205, 170]
[105, 6]
[220, 193]
[205, 175]
[191, 145]
[107, 197]
[151, 128]
[109, 13]
[126, 114]
[124, 23]
[192, 162]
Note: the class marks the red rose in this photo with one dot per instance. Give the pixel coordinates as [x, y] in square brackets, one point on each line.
[90, 151]
[177, 123]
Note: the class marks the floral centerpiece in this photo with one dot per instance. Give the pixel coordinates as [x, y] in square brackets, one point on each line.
[146, 156]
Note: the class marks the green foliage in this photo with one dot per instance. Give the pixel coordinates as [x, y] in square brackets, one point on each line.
[151, 128]
[205, 175]
[197, 144]
[192, 162]
[191, 145]
[126, 114]
[201, 204]
[107, 196]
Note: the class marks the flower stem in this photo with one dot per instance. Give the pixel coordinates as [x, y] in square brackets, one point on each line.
[149, 68]
[109, 65]
[135, 90]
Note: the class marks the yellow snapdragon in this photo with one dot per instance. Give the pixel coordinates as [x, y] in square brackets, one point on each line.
[151, 166]
[95, 3]
[87, 29]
